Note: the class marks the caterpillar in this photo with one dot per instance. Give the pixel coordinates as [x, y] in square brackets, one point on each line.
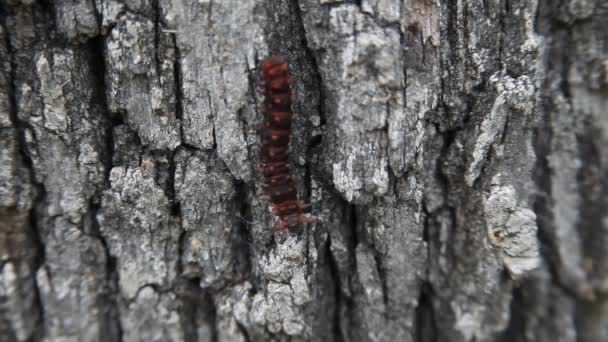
[275, 134]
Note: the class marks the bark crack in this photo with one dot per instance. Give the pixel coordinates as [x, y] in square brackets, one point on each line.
[425, 323]
[39, 197]
[335, 277]
[242, 246]
[96, 52]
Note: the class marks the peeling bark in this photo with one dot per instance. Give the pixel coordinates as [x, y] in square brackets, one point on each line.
[452, 152]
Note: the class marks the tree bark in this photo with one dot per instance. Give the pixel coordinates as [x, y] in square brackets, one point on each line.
[454, 154]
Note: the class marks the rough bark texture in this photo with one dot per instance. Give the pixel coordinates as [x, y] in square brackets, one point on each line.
[454, 153]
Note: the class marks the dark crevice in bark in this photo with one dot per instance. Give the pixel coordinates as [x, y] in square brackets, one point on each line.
[187, 314]
[335, 279]
[362, 219]
[214, 148]
[449, 137]
[426, 326]
[486, 8]
[426, 228]
[307, 201]
[353, 222]
[98, 16]
[449, 60]
[39, 260]
[164, 172]
[195, 303]
[592, 185]
[48, 11]
[171, 193]
[243, 238]
[314, 143]
[503, 137]
[515, 331]
[378, 258]
[178, 79]
[176, 209]
[161, 289]
[346, 306]
[243, 125]
[308, 236]
[243, 331]
[112, 329]
[210, 315]
[451, 22]
[561, 65]
[157, 33]
[310, 58]
[196, 308]
[500, 41]
[181, 243]
[462, 26]
[177, 75]
[541, 174]
[254, 93]
[155, 287]
[95, 50]
[405, 85]
[311, 151]
[96, 53]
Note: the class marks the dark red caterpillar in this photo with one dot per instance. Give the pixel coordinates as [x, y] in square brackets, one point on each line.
[275, 135]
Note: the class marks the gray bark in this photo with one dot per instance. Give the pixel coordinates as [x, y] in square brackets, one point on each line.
[454, 153]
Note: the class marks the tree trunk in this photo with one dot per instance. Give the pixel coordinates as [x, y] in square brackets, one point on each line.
[454, 154]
